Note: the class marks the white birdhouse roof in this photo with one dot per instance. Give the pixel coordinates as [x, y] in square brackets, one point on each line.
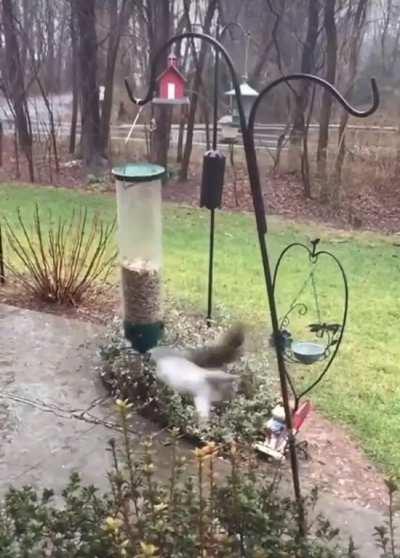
[245, 90]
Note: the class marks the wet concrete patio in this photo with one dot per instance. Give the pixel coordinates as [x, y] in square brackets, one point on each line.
[56, 417]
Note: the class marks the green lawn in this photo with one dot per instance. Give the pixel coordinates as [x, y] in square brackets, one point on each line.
[363, 389]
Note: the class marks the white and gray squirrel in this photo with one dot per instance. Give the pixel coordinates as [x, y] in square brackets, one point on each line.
[197, 372]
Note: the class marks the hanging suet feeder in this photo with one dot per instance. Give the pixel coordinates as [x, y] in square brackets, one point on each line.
[212, 182]
[140, 252]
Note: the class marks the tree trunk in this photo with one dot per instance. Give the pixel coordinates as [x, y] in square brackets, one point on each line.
[87, 56]
[75, 87]
[26, 25]
[15, 87]
[355, 46]
[117, 22]
[183, 112]
[301, 97]
[264, 55]
[326, 104]
[159, 29]
[61, 67]
[50, 80]
[305, 161]
[211, 8]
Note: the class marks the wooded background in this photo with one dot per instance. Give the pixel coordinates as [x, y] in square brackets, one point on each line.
[52, 47]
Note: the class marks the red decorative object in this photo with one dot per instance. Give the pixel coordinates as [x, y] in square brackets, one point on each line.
[300, 415]
[171, 85]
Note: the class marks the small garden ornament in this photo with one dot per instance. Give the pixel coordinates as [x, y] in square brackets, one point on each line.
[275, 443]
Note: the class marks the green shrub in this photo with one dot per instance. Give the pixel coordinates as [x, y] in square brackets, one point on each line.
[32, 525]
[193, 514]
[131, 377]
[385, 535]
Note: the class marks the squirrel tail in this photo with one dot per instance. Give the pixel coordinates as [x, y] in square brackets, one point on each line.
[227, 350]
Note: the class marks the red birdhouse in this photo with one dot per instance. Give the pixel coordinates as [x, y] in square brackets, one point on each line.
[171, 85]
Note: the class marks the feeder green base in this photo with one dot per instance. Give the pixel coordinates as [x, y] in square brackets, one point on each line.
[143, 336]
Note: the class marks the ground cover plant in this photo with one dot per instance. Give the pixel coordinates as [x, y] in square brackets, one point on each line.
[196, 511]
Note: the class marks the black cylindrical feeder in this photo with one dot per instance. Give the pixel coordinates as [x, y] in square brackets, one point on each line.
[212, 182]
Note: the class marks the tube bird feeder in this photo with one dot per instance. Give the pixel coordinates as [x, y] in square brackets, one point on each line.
[138, 189]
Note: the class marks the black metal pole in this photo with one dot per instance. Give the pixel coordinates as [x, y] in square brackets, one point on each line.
[250, 152]
[254, 177]
[211, 267]
[218, 35]
[258, 204]
[212, 211]
[216, 93]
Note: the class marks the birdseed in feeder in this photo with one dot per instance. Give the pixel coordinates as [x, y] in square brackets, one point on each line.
[141, 289]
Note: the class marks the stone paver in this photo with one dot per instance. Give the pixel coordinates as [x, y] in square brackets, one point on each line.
[55, 416]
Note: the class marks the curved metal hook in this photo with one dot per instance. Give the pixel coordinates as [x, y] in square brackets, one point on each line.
[228, 26]
[326, 85]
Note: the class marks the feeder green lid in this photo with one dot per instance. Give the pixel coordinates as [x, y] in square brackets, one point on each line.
[138, 172]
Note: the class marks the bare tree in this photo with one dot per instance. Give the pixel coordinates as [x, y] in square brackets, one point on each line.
[210, 12]
[87, 56]
[117, 23]
[14, 83]
[159, 26]
[355, 42]
[264, 54]
[74, 75]
[301, 96]
[50, 77]
[326, 103]
[26, 22]
[61, 56]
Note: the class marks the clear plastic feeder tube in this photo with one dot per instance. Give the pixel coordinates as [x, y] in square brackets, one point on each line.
[138, 188]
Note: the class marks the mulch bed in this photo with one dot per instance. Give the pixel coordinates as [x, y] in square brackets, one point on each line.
[98, 308]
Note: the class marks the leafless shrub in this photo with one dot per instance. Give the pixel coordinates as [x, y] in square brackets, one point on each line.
[61, 262]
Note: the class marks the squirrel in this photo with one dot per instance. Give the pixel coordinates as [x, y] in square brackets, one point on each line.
[197, 372]
[227, 350]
